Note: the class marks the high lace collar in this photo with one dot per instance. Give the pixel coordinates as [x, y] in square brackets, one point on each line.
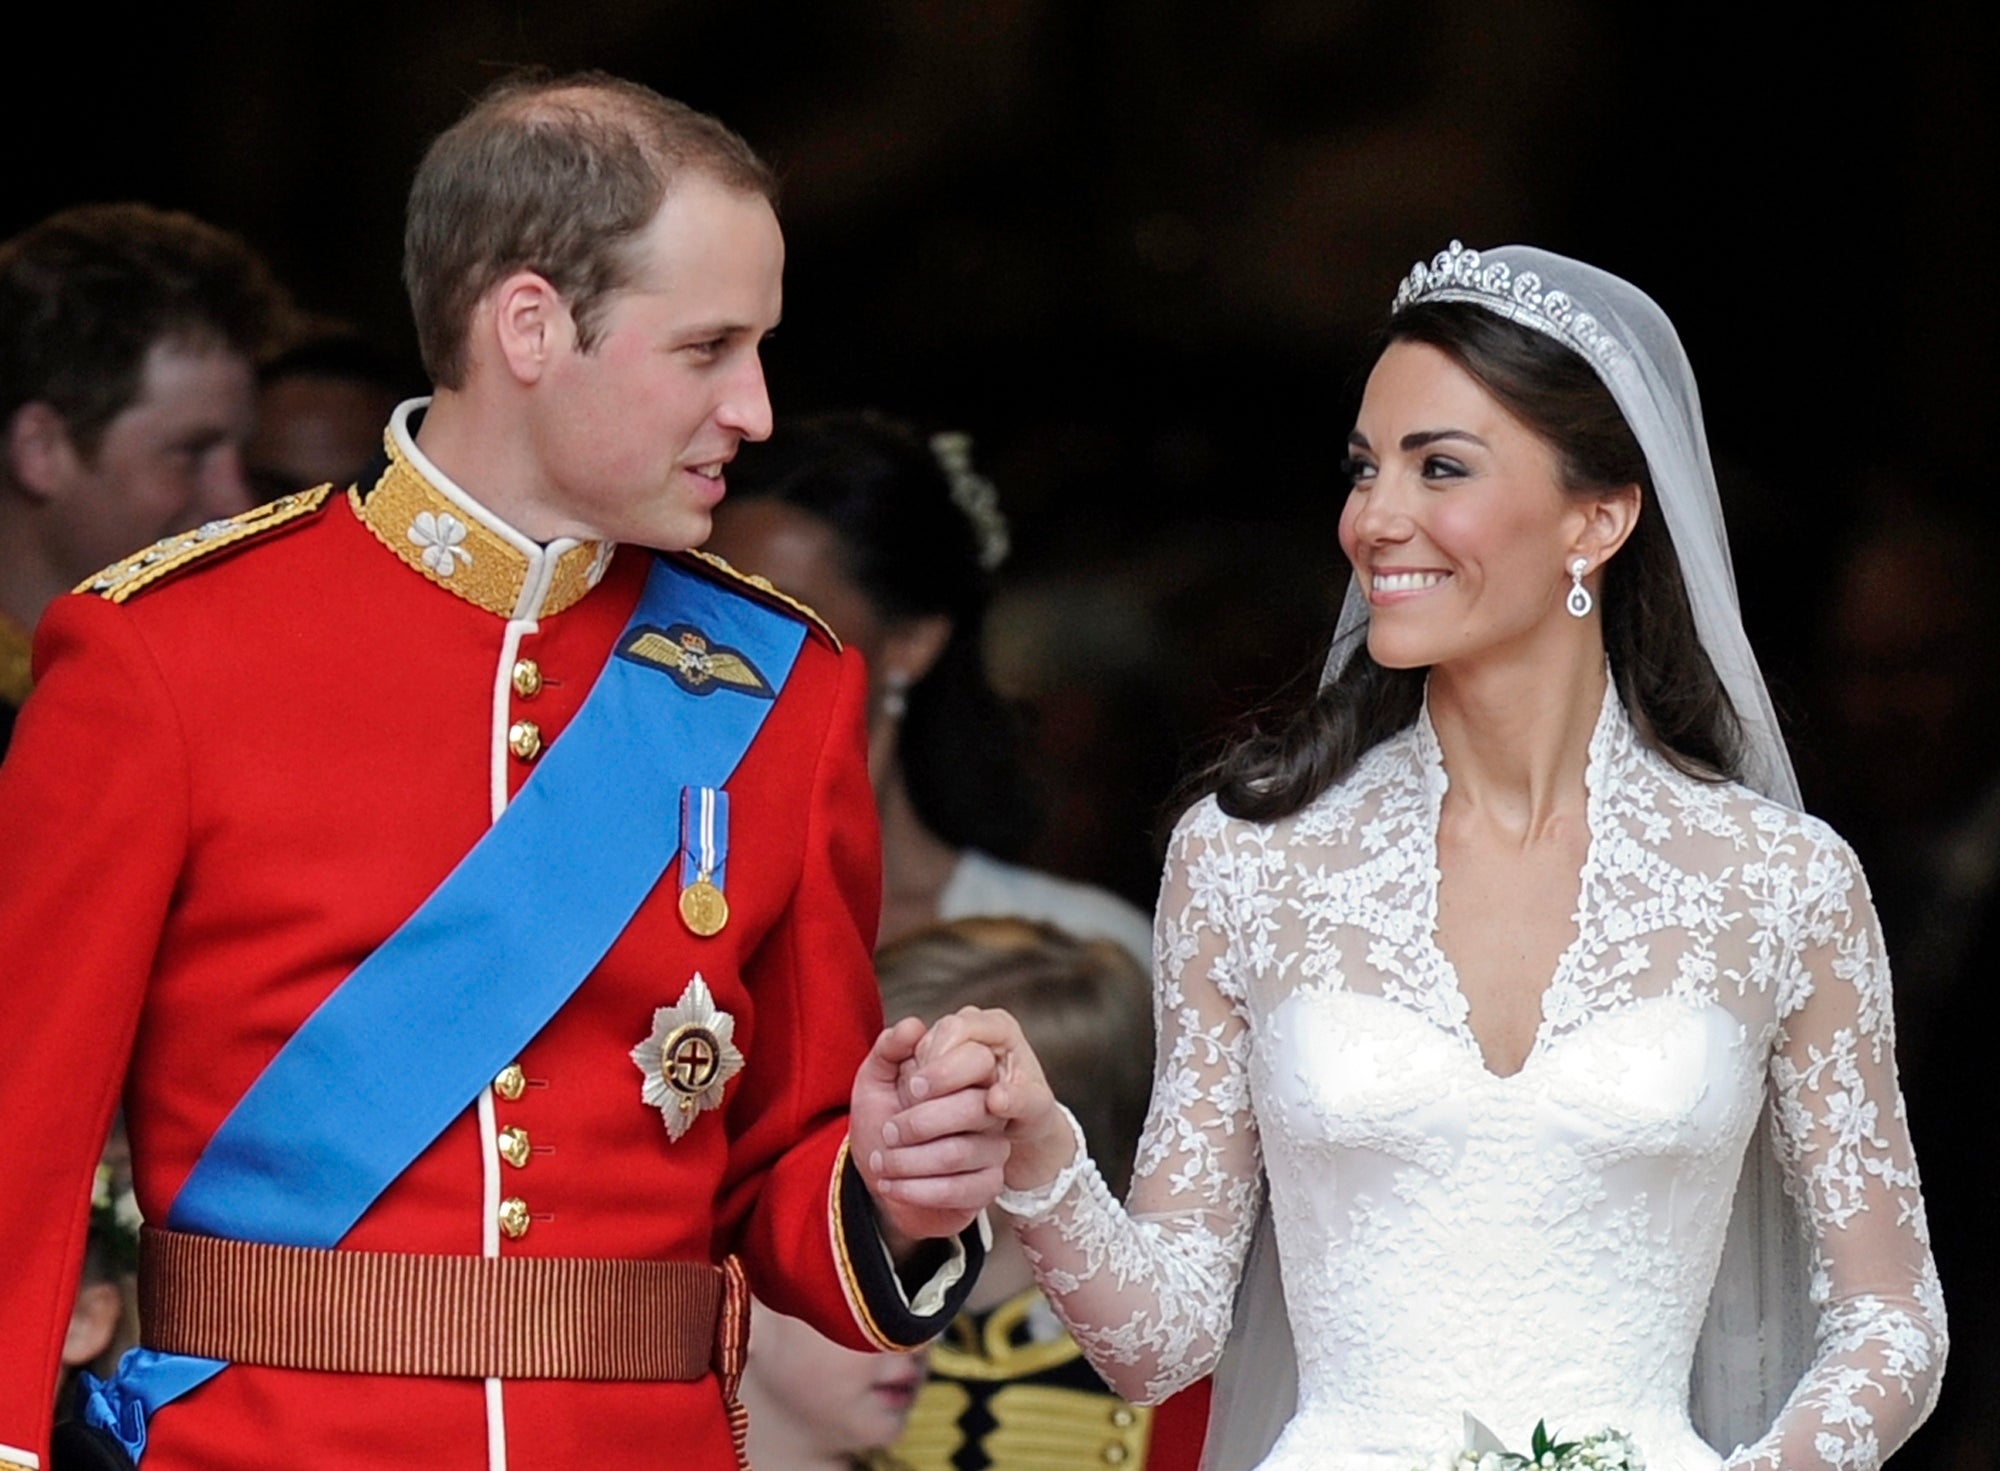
[1614, 745]
[441, 532]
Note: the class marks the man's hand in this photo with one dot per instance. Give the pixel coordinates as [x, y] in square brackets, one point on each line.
[1040, 1141]
[920, 1132]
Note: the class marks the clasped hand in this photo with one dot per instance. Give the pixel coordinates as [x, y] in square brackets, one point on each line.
[944, 1117]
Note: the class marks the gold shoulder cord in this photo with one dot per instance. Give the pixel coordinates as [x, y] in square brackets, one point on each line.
[763, 586]
[141, 570]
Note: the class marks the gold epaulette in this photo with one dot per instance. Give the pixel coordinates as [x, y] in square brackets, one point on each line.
[761, 588]
[169, 555]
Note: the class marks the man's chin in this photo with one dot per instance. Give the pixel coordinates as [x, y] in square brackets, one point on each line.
[683, 532]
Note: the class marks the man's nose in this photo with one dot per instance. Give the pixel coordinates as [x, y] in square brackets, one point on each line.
[747, 406]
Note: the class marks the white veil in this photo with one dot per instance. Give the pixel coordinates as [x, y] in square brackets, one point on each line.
[1756, 1341]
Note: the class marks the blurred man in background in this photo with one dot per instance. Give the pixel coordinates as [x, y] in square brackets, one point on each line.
[128, 345]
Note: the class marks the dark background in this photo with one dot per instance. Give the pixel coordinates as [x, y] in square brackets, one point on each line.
[1136, 247]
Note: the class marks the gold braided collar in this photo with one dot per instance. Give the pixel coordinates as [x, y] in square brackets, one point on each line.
[16, 674]
[441, 537]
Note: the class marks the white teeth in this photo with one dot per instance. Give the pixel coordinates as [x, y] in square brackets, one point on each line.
[709, 472]
[1407, 581]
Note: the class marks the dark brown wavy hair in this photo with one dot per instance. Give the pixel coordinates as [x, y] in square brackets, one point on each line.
[1662, 672]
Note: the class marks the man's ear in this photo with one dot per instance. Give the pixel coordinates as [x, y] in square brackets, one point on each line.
[530, 324]
[42, 458]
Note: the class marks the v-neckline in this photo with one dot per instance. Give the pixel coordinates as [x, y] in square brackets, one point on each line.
[1437, 781]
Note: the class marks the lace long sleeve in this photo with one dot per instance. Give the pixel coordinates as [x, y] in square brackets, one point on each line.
[1845, 1148]
[1147, 1290]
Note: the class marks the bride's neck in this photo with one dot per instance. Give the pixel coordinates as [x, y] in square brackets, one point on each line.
[1515, 732]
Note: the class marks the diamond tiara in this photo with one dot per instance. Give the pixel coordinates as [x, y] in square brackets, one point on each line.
[1458, 274]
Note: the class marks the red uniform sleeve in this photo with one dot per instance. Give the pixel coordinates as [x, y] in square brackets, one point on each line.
[809, 1238]
[94, 802]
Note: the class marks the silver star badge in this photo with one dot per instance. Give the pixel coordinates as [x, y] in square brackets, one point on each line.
[688, 1058]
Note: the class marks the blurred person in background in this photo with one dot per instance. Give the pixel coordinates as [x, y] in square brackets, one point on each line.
[1010, 1390]
[102, 1320]
[321, 405]
[1909, 687]
[128, 343]
[816, 1406]
[894, 539]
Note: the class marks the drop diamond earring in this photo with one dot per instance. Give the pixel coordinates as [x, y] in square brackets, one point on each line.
[1579, 602]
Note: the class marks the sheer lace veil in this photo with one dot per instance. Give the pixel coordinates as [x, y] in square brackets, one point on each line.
[1756, 1340]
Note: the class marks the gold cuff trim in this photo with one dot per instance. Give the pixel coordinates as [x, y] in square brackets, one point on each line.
[850, 1280]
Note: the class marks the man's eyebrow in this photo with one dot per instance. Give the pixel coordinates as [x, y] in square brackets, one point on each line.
[702, 331]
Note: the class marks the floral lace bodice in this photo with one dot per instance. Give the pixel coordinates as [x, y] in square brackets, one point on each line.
[1542, 1244]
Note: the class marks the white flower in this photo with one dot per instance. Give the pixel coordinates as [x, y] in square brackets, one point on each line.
[439, 535]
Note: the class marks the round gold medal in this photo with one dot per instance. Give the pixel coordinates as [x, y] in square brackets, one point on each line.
[703, 908]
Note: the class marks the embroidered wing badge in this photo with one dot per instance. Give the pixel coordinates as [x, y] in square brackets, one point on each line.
[693, 662]
[688, 1058]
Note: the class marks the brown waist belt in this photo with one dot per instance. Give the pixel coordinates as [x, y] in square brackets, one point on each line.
[458, 1317]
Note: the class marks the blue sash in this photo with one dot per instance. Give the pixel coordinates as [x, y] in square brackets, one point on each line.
[405, 1043]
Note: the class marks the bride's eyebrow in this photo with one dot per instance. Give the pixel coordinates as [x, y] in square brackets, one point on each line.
[1431, 436]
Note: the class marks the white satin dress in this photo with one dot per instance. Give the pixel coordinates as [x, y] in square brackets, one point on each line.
[1534, 1247]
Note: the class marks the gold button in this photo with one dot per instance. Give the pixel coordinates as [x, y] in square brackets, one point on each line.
[514, 1217]
[527, 678]
[1122, 1416]
[1114, 1454]
[524, 739]
[511, 1083]
[513, 1144]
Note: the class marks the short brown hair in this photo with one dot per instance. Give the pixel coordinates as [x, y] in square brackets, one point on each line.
[88, 292]
[554, 175]
[1083, 1005]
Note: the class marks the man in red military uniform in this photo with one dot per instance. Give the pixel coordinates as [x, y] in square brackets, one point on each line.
[270, 762]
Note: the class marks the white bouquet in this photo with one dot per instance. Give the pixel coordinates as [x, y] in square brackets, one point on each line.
[1605, 1450]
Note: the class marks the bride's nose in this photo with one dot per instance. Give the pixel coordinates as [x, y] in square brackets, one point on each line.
[1377, 515]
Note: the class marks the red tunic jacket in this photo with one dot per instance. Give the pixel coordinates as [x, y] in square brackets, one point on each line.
[228, 790]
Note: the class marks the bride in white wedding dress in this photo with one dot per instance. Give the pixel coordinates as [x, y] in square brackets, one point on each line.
[1484, 973]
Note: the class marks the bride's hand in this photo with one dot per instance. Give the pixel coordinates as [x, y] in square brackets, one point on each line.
[1040, 1140]
[931, 1157]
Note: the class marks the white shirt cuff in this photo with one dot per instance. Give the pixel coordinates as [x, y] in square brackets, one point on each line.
[928, 1299]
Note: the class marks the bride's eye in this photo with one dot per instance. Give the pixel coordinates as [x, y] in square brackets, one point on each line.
[1443, 467]
[1354, 470]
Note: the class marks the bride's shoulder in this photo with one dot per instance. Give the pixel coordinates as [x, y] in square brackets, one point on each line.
[1737, 822]
[1387, 782]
